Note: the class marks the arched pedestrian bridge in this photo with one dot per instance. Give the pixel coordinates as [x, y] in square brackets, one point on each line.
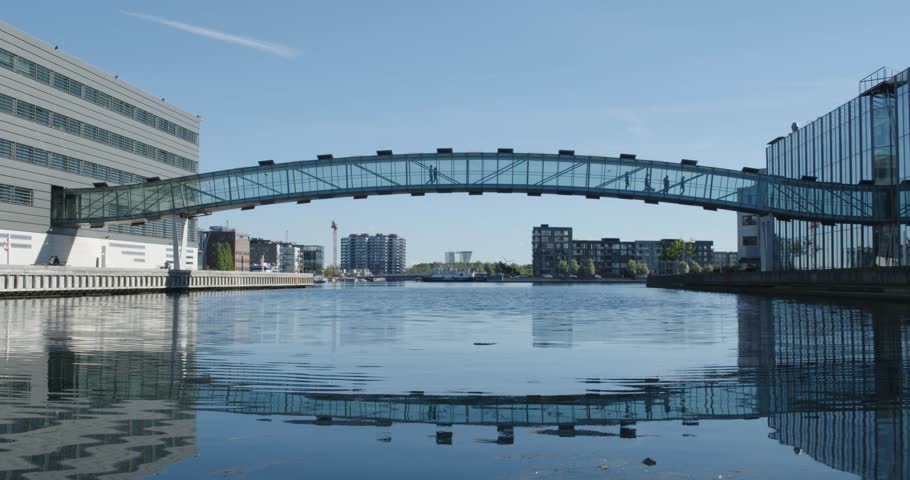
[503, 171]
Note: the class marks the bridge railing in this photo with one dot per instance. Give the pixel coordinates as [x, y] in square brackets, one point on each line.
[476, 173]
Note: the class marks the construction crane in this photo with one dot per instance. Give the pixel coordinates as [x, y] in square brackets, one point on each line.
[334, 245]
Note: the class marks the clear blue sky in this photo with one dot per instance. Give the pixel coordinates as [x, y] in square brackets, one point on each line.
[666, 80]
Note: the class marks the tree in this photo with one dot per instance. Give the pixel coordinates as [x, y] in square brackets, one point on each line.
[489, 267]
[678, 250]
[682, 267]
[331, 272]
[224, 257]
[563, 267]
[710, 268]
[589, 270]
[574, 267]
[632, 268]
[635, 269]
[643, 270]
[695, 267]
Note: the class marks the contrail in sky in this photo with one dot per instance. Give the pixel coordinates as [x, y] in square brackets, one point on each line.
[268, 47]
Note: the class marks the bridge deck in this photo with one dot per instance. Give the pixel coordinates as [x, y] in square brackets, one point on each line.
[477, 173]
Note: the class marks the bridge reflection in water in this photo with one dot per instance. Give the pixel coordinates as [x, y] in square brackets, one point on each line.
[81, 399]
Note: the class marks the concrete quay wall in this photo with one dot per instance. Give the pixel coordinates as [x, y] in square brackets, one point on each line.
[891, 283]
[25, 281]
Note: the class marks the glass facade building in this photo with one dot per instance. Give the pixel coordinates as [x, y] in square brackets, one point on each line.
[312, 258]
[864, 141]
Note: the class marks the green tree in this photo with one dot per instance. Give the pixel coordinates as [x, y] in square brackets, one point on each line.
[589, 269]
[695, 267]
[574, 267]
[563, 267]
[678, 250]
[632, 268]
[643, 270]
[331, 272]
[682, 267]
[224, 257]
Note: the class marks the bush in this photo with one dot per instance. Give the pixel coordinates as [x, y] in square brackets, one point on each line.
[695, 267]
[682, 267]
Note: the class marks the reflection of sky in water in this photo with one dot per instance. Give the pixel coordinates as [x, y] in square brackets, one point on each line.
[462, 380]
[546, 339]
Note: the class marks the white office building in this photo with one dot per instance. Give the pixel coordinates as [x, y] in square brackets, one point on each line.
[67, 124]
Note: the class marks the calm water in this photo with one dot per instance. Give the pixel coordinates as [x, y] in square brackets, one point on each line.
[453, 381]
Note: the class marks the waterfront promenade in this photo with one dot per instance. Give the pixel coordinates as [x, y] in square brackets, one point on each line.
[31, 281]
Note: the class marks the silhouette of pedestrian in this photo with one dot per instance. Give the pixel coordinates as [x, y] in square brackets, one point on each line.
[682, 185]
[435, 174]
[431, 176]
[648, 182]
[666, 184]
[627, 180]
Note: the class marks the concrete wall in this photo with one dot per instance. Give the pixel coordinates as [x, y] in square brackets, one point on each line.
[20, 281]
[27, 248]
[883, 283]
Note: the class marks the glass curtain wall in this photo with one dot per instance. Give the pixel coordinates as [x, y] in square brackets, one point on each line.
[866, 139]
[902, 96]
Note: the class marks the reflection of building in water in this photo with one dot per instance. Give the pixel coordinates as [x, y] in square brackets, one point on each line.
[832, 380]
[94, 385]
[829, 380]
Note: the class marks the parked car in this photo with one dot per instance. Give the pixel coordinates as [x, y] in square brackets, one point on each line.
[547, 275]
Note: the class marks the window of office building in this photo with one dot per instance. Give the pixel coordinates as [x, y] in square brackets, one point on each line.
[16, 195]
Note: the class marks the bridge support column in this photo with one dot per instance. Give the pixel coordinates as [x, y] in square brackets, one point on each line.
[180, 231]
[767, 252]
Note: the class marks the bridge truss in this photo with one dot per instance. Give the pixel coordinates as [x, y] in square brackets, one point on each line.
[476, 173]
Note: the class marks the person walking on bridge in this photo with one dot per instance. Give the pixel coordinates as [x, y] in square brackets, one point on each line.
[666, 183]
[682, 185]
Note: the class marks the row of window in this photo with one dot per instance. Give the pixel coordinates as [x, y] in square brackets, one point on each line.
[42, 116]
[156, 228]
[65, 84]
[16, 195]
[43, 158]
